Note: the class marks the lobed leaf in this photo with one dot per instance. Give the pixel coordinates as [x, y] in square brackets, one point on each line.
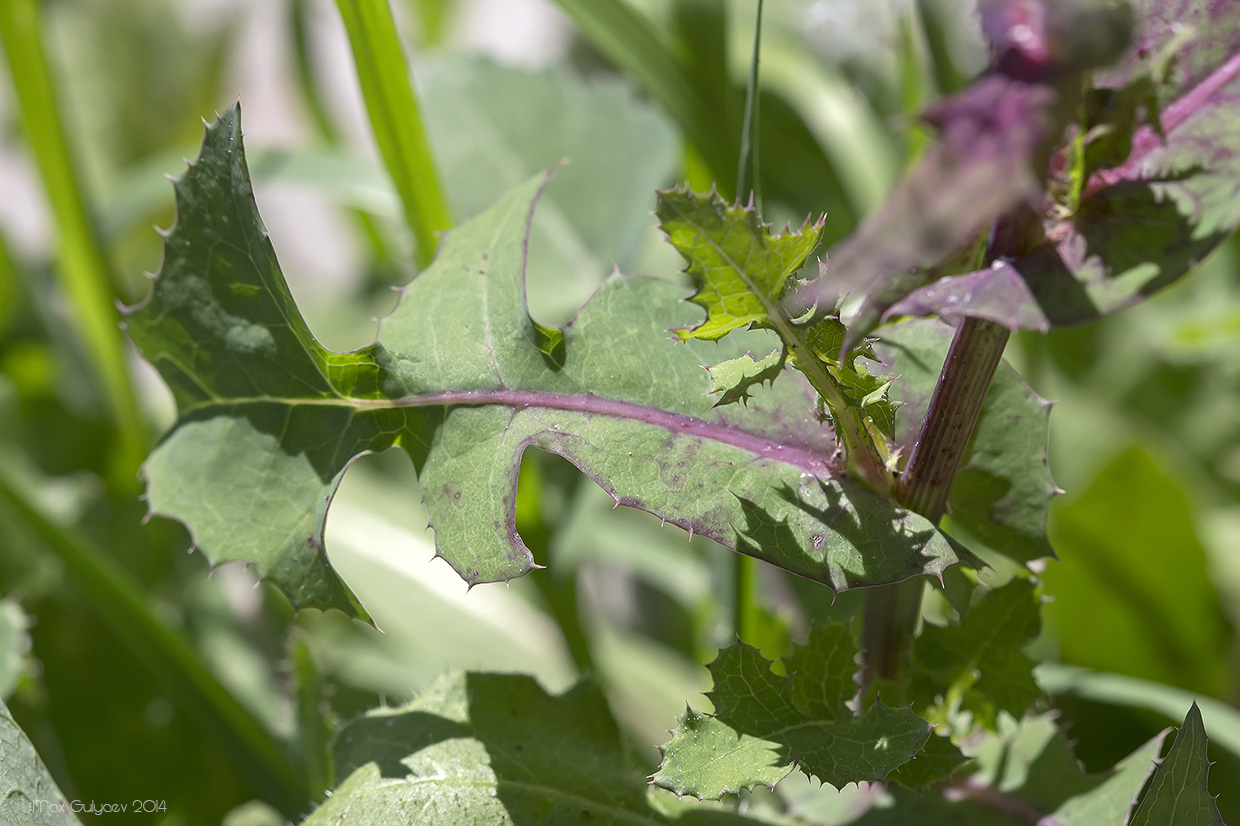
[464, 380]
[765, 724]
[734, 378]
[740, 268]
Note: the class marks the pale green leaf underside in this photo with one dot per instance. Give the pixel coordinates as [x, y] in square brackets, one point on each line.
[28, 794]
[492, 749]
[465, 381]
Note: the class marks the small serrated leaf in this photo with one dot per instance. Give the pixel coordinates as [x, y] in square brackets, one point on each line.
[1178, 794]
[740, 268]
[864, 392]
[734, 378]
[765, 724]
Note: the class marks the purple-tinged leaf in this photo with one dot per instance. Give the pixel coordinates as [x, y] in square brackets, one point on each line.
[1140, 225]
[982, 165]
[465, 381]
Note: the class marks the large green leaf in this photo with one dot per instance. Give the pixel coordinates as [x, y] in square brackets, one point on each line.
[465, 381]
[1178, 794]
[28, 794]
[494, 749]
[765, 725]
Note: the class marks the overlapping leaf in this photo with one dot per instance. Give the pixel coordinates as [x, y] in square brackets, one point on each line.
[765, 724]
[743, 273]
[1003, 492]
[464, 380]
[1142, 224]
[741, 269]
[493, 749]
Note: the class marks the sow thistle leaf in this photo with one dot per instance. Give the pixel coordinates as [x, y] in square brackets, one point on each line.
[734, 378]
[1029, 769]
[741, 268]
[28, 794]
[742, 273]
[764, 724]
[494, 749]
[465, 381]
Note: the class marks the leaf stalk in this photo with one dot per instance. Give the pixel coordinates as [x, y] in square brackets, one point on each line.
[976, 350]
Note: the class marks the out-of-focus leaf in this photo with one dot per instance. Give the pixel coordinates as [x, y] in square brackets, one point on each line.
[1178, 794]
[765, 725]
[980, 665]
[1026, 773]
[465, 381]
[494, 127]
[395, 119]
[980, 167]
[1222, 719]
[493, 749]
[1133, 594]
[1141, 225]
[28, 794]
[14, 645]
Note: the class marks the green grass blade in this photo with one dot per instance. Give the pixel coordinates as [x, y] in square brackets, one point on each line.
[260, 755]
[633, 44]
[83, 271]
[394, 116]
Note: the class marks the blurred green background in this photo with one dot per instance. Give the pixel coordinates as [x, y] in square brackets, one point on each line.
[100, 613]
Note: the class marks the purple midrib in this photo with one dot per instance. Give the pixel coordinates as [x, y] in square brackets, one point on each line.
[1146, 140]
[767, 448]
